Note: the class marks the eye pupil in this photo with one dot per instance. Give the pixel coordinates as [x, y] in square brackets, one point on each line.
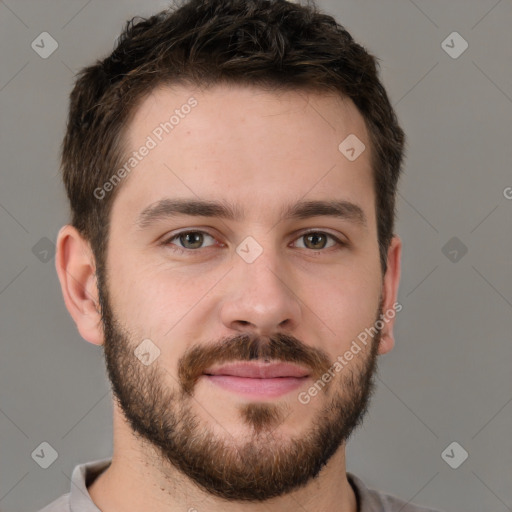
[194, 237]
[315, 236]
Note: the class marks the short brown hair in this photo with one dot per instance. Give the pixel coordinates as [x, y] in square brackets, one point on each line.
[267, 43]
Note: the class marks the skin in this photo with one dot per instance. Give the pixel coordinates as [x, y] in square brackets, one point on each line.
[256, 148]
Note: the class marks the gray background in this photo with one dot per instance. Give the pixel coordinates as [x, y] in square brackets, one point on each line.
[448, 378]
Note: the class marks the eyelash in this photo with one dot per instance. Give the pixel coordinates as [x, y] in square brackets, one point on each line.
[181, 250]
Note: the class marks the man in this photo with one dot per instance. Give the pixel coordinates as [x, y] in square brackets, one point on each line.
[232, 170]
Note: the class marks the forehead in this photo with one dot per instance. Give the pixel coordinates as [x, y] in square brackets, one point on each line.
[248, 146]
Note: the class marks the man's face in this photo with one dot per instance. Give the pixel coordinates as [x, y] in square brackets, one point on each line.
[256, 289]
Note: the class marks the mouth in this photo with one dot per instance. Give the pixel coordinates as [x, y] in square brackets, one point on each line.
[258, 380]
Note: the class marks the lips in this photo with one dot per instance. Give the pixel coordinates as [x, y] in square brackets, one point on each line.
[259, 370]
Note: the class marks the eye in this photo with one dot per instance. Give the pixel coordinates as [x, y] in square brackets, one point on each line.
[316, 240]
[190, 240]
[193, 240]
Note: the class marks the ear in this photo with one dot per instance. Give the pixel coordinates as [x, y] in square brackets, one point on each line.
[76, 269]
[390, 307]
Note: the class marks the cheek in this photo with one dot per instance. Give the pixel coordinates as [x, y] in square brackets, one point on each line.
[159, 303]
[139, 296]
[346, 306]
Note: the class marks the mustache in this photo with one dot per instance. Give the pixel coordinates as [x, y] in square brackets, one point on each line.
[247, 347]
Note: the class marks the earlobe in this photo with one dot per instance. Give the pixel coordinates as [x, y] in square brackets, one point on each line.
[387, 342]
[75, 267]
[390, 305]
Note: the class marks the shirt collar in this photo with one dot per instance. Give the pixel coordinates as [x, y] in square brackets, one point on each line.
[84, 474]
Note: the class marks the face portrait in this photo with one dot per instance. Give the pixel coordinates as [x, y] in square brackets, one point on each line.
[243, 261]
[255, 256]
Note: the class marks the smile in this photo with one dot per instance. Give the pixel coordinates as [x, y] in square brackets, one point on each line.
[258, 380]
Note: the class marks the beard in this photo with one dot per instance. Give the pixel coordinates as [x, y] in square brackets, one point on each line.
[263, 464]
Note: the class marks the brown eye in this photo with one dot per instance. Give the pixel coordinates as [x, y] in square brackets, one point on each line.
[317, 240]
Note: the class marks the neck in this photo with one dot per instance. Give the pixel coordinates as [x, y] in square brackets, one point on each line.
[138, 479]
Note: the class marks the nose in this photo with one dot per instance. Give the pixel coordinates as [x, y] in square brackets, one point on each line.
[261, 298]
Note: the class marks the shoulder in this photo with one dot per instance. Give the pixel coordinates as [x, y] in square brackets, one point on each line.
[391, 503]
[61, 504]
[371, 500]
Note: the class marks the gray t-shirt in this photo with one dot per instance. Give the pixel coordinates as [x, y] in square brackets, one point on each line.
[79, 500]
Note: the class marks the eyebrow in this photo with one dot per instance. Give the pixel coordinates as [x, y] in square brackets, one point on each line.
[168, 208]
